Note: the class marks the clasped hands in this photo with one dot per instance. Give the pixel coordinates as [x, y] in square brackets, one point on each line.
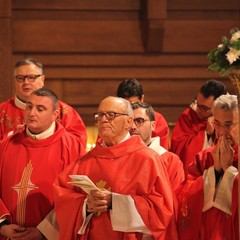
[17, 232]
[222, 154]
[99, 201]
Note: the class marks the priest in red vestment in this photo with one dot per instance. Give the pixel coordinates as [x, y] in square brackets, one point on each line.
[193, 131]
[143, 125]
[131, 90]
[209, 198]
[134, 198]
[30, 161]
[29, 76]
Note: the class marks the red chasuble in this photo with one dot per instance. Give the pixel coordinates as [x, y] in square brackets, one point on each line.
[28, 169]
[188, 137]
[161, 130]
[12, 119]
[212, 224]
[128, 168]
[174, 168]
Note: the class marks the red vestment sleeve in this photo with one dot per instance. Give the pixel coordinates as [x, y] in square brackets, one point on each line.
[188, 137]
[73, 123]
[161, 129]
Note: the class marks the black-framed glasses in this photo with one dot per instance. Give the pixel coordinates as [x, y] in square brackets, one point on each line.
[109, 115]
[226, 125]
[30, 77]
[202, 108]
[140, 121]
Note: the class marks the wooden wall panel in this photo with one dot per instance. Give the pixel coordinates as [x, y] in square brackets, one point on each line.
[118, 60]
[168, 97]
[119, 36]
[77, 36]
[89, 47]
[97, 5]
[203, 5]
[5, 50]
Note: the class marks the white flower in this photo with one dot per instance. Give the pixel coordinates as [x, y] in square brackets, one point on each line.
[235, 36]
[233, 55]
[220, 45]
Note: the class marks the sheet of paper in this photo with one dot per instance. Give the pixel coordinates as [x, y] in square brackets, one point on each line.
[84, 182]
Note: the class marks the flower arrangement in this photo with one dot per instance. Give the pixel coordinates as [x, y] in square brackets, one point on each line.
[226, 56]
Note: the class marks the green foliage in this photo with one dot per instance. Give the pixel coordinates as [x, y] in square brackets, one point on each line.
[219, 56]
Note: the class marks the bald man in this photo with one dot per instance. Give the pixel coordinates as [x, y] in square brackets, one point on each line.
[132, 181]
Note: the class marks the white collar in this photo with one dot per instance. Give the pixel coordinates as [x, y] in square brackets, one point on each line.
[193, 106]
[47, 133]
[19, 103]
[124, 139]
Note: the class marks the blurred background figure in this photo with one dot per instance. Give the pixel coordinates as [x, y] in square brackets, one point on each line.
[194, 131]
[28, 76]
[131, 90]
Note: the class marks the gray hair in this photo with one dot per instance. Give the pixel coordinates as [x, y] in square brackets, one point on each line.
[28, 61]
[44, 92]
[226, 102]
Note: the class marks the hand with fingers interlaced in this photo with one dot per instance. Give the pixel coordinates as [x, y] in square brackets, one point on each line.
[99, 201]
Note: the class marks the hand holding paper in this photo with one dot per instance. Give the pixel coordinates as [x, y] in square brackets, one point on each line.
[84, 182]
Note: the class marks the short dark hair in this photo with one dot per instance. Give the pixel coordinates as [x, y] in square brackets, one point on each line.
[130, 88]
[148, 108]
[44, 92]
[213, 88]
[28, 61]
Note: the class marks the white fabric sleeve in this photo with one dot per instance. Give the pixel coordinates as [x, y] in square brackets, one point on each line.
[49, 226]
[124, 215]
[86, 219]
[223, 200]
[209, 188]
[221, 197]
[2, 219]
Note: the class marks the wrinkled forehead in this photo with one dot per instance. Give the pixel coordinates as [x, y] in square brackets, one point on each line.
[112, 105]
[140, 112]
[223, 115]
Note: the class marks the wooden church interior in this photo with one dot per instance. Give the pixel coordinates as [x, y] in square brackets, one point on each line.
[88, 47]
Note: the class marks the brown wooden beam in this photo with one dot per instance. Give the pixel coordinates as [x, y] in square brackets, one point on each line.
[153, 26]
[6, 85]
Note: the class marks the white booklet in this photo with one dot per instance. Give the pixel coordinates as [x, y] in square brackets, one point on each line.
[84, 182]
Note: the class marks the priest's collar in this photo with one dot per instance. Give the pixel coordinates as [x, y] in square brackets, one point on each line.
[19, 103]
[193, 105]
[47, 133]
[124, 139]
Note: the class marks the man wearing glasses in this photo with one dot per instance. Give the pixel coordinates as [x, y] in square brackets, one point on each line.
[194, 131]
[29, 76]
[209, 199]
[134, 200]
[143, 125]
[131, 90]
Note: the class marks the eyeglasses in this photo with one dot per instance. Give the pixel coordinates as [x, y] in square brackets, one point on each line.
[203, 108]
[226, 125]
[109, 115]
[140, 121]
[30, 78]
